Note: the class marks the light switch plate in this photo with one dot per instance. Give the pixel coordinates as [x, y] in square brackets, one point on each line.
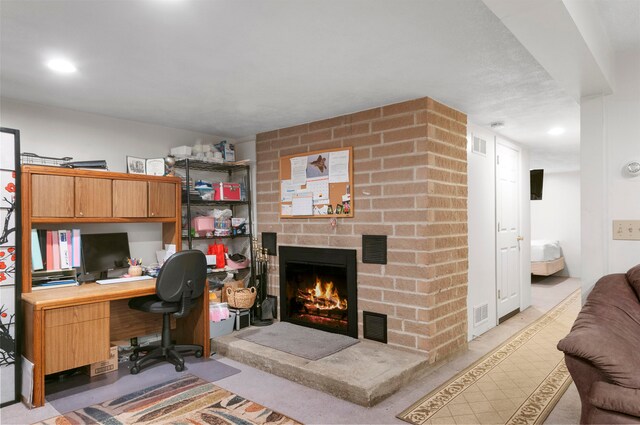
[628, 230]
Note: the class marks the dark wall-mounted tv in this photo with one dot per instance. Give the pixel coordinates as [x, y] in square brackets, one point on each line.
[537, 177]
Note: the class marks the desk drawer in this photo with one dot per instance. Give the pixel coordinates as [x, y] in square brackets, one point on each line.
[76, 314]
[76, 336]
[76, 344]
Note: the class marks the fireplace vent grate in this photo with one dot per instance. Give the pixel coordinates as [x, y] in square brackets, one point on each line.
[270, 242]
[374, 326]
[374, 249]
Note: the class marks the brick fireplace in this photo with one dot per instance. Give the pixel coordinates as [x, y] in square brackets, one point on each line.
[410, 172]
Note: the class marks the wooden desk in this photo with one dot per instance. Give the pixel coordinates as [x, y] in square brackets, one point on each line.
[70, 327]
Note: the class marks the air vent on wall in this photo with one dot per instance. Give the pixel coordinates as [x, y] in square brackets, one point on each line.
[374, 249]
[480, 313]
[479, 146]
[374, 326]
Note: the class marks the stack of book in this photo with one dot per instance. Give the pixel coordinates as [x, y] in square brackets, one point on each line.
[54, 254]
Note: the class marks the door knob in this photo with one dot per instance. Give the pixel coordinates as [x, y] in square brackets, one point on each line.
[520, 238]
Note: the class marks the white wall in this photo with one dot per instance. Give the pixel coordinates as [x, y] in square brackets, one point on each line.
[623, 145]
[557, 217]
[482, 229]
[61, 132]
[525, 229]
[247, 150]
[610, 138]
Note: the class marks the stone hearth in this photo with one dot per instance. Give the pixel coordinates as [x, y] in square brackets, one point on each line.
[365, 373]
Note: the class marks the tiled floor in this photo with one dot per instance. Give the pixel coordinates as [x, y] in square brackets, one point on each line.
[313, 407]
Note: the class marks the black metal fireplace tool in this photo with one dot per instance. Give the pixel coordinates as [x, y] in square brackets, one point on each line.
[262, 308]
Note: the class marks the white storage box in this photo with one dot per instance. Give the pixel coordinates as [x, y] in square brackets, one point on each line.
[181, 151]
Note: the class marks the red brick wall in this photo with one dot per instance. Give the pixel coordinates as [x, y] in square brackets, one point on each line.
[410, 172]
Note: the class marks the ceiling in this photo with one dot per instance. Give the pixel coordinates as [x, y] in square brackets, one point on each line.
[236, 68]
[621, 19]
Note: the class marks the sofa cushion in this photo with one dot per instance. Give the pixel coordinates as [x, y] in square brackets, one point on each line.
[633, 276]
[613, 397]
[607, 331]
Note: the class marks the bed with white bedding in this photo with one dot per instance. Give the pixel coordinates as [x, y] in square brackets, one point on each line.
[546, 257]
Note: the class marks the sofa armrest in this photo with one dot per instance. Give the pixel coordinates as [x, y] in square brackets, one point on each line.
[615, 398]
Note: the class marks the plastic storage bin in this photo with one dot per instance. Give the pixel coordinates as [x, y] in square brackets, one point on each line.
[203, 225]
[224, 327]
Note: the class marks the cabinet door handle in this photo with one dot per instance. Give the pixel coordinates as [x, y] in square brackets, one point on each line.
[152, 214]
[81, 213]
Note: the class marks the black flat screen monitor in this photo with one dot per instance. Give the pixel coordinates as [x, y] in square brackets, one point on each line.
[537, 177]
[102, 252]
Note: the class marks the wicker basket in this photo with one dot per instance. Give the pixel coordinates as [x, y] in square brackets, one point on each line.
[241, 297]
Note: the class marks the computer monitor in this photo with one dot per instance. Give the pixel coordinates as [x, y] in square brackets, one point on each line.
[102, 252]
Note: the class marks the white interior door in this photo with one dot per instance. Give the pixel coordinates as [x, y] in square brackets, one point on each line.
[508, 237]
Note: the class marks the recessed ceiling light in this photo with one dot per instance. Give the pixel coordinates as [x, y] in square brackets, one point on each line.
[62, 66]
[556, 131]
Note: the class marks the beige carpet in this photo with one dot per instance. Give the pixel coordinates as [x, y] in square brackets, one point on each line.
[518, 383]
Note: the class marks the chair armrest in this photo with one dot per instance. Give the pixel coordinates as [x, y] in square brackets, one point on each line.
[615, 398]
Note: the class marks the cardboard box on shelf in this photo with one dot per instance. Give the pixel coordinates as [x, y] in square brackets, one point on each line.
[99, 368]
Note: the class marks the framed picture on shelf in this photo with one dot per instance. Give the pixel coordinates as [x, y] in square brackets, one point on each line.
[136, 165]
[155, 167]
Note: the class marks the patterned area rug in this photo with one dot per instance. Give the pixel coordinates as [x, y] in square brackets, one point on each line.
[519, 382]
[186, 400]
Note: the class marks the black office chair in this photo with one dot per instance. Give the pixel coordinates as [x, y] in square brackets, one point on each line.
[179, 285]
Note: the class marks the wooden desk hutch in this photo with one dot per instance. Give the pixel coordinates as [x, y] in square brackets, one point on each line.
[70, 327]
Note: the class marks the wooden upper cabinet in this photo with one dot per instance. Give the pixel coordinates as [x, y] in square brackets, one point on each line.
[93, 197]
[162, 199]
[51, 196]
[129, 198]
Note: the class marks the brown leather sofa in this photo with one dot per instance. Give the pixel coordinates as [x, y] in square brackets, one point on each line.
[602, 351]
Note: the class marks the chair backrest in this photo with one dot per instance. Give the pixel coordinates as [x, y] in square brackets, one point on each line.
[181, 279]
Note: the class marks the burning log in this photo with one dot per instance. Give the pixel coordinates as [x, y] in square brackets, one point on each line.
[314, 302]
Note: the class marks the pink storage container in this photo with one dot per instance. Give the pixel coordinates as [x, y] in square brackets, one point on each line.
[203, 225]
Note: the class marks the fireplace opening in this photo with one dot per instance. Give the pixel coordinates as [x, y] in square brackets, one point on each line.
[318, 288]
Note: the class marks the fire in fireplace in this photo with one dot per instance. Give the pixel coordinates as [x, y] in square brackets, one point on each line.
[318, 288]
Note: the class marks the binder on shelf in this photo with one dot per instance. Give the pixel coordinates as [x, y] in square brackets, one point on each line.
[36, 254]
[42, 240]
[56, 250]
[69, 248]
[49, 256]
[63, 245]
[75, 247]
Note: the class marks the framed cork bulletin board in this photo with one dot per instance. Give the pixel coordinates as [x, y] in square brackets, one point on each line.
[317, 184]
